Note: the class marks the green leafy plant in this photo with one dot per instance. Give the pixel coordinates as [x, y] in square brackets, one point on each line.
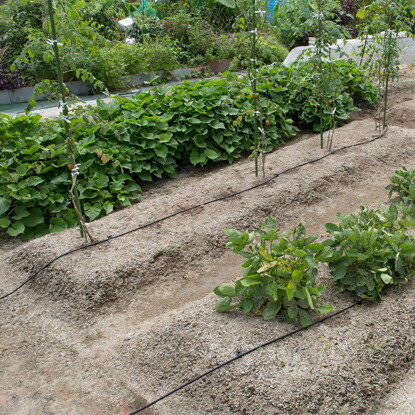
[403, 184]
[382, 20]
[370, 250]
[278, 276]
[120, 145]
[295, 21]
[35, 179]
[294, 89]
[18, 19]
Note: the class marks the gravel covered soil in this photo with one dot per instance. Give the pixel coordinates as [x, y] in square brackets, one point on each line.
[107, 329]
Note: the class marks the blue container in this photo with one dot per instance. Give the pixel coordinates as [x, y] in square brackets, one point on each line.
[271, 5]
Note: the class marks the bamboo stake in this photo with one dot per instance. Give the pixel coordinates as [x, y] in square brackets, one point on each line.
[70, 142]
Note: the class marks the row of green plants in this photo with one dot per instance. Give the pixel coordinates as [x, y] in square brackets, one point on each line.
[381, 21]
[128, 141]
[295, 21]
[367, 252]
[176, 33]
[92, 41]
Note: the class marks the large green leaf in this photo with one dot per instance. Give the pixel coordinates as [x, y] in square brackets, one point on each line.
[197, 158]
[165, 138]
[34, 180]
[290, 290]
[57, 225]
[305, 318]
[92, 211]
[35, 218]
[386, 278]
[247, 305]
[228, 3]
[20, 212]
[223, 304]
[17, 229]
[4, 222]
[225, 290]
[324, 309]
[248, 282]
[212, 154]
[5, 203]
[271, 310]
[162, 151]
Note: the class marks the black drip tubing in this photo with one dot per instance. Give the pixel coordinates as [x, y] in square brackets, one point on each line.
[240, 355]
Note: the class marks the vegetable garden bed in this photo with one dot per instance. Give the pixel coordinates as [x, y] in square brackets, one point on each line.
[106, 329]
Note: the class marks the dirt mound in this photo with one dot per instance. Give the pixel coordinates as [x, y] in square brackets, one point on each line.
[403, 114]
[96, 278]
[106, 329]
[345, 364]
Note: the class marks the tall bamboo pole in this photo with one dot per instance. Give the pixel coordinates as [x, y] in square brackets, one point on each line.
[70, 142]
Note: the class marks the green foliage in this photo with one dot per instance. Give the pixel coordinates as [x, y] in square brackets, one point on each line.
[269, 50]
[295, 21]
[380, 15]
[104, 15]
[194, 36]
[35, 179]
[384, 20]
[17, 19]
[79, 41]
[278, 275]
[92, 41]
[370, 250]
[295, 89]
[403, 184]
[30, 180]
[119, 145]
[209, 121]
[354, 82]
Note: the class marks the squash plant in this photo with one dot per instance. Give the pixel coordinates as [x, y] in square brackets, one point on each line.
[278, 275]
[370, 250]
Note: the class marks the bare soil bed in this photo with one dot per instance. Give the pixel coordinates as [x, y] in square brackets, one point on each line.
[107, 329]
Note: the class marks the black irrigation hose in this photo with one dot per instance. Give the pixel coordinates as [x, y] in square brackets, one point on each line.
[190, 208]
[240, 355]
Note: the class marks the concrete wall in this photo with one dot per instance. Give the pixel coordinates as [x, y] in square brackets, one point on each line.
[21, 95]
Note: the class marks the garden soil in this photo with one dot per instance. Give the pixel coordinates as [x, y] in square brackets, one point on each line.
[109, 328]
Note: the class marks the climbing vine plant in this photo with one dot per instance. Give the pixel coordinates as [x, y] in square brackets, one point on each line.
[70, 142]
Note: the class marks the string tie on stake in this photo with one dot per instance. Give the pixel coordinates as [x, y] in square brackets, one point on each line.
[75, 170]
[260, 11]
[261, 130]
[51, 42]
[255, 31]
[65, 118]
[62, 104]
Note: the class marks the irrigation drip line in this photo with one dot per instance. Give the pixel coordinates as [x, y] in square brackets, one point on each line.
[358, 301]
[146, 225]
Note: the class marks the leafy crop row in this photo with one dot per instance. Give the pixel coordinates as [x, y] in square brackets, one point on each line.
[295, 88]
[128, 141]
[367, 252]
